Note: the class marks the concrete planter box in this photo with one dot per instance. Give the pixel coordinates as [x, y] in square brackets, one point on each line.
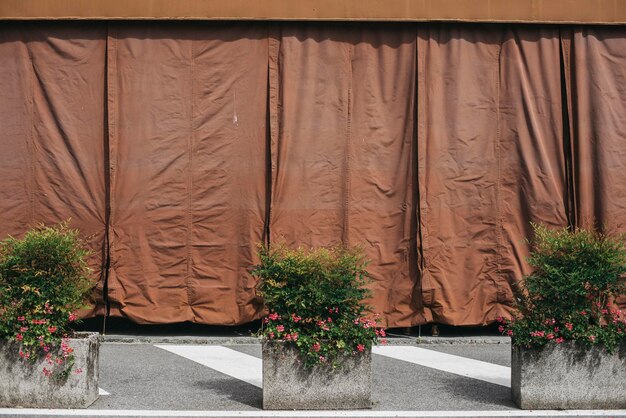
[24, 385]
[288, 385]
[568, 376]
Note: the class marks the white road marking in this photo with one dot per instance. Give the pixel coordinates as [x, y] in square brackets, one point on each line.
[230, 362]
[359, 413]
[103, 392]
[475, 369]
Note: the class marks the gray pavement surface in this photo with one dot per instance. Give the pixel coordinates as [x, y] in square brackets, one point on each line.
[145, 377]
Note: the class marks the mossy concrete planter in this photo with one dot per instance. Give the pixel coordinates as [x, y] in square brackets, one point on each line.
[24, 384]
[288, 385]
[568, 376]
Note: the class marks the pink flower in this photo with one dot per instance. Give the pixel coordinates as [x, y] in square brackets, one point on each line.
[295, 318]
[273, 316]
[73, 317]
[316, 347]
[501, 328]
[550, 336]
[384, 342]
[569, 326]
[271, 335]
[23, 329]
[19, 337]
[280, 328]
[360, 347]
[52, 329]
[21, 318]
[583, 313]
[509, 333]
[592, 338]
[323, 359]
[559, 340]
[383, 333]
[294, 336]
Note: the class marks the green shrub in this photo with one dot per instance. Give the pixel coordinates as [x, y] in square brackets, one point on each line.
[569, 296]
[44, 280]
[315, 302]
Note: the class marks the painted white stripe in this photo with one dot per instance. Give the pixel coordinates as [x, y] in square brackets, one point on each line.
[359, 413]
[230, 362]
[475, 369]
[103, 392]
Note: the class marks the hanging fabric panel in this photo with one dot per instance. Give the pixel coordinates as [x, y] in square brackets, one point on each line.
[490, 161]
[52, 125]
[596, 68]
[342, 117]
[595, 61]
[187, 119]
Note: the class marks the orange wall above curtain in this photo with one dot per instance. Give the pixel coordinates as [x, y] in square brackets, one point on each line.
[518, 11]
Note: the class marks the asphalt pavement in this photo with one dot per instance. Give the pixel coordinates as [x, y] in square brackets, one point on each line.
[204, 376]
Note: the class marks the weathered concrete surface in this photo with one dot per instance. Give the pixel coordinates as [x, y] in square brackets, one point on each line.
[288, 385]
[24, 384]
[568, 376]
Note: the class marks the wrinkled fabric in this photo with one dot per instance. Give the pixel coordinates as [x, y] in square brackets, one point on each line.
[52, 133]
[187, 121]
[490, 162]
[176, 148]
[595, 67]
[342, 111]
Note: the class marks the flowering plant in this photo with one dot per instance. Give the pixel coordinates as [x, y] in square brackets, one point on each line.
[571, 293]
[315, 302]
[44, 280]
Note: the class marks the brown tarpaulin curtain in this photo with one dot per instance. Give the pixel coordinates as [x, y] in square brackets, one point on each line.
[342, 116]
[433, 146]
[188, 134]
[52, 131]
[490, 159]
